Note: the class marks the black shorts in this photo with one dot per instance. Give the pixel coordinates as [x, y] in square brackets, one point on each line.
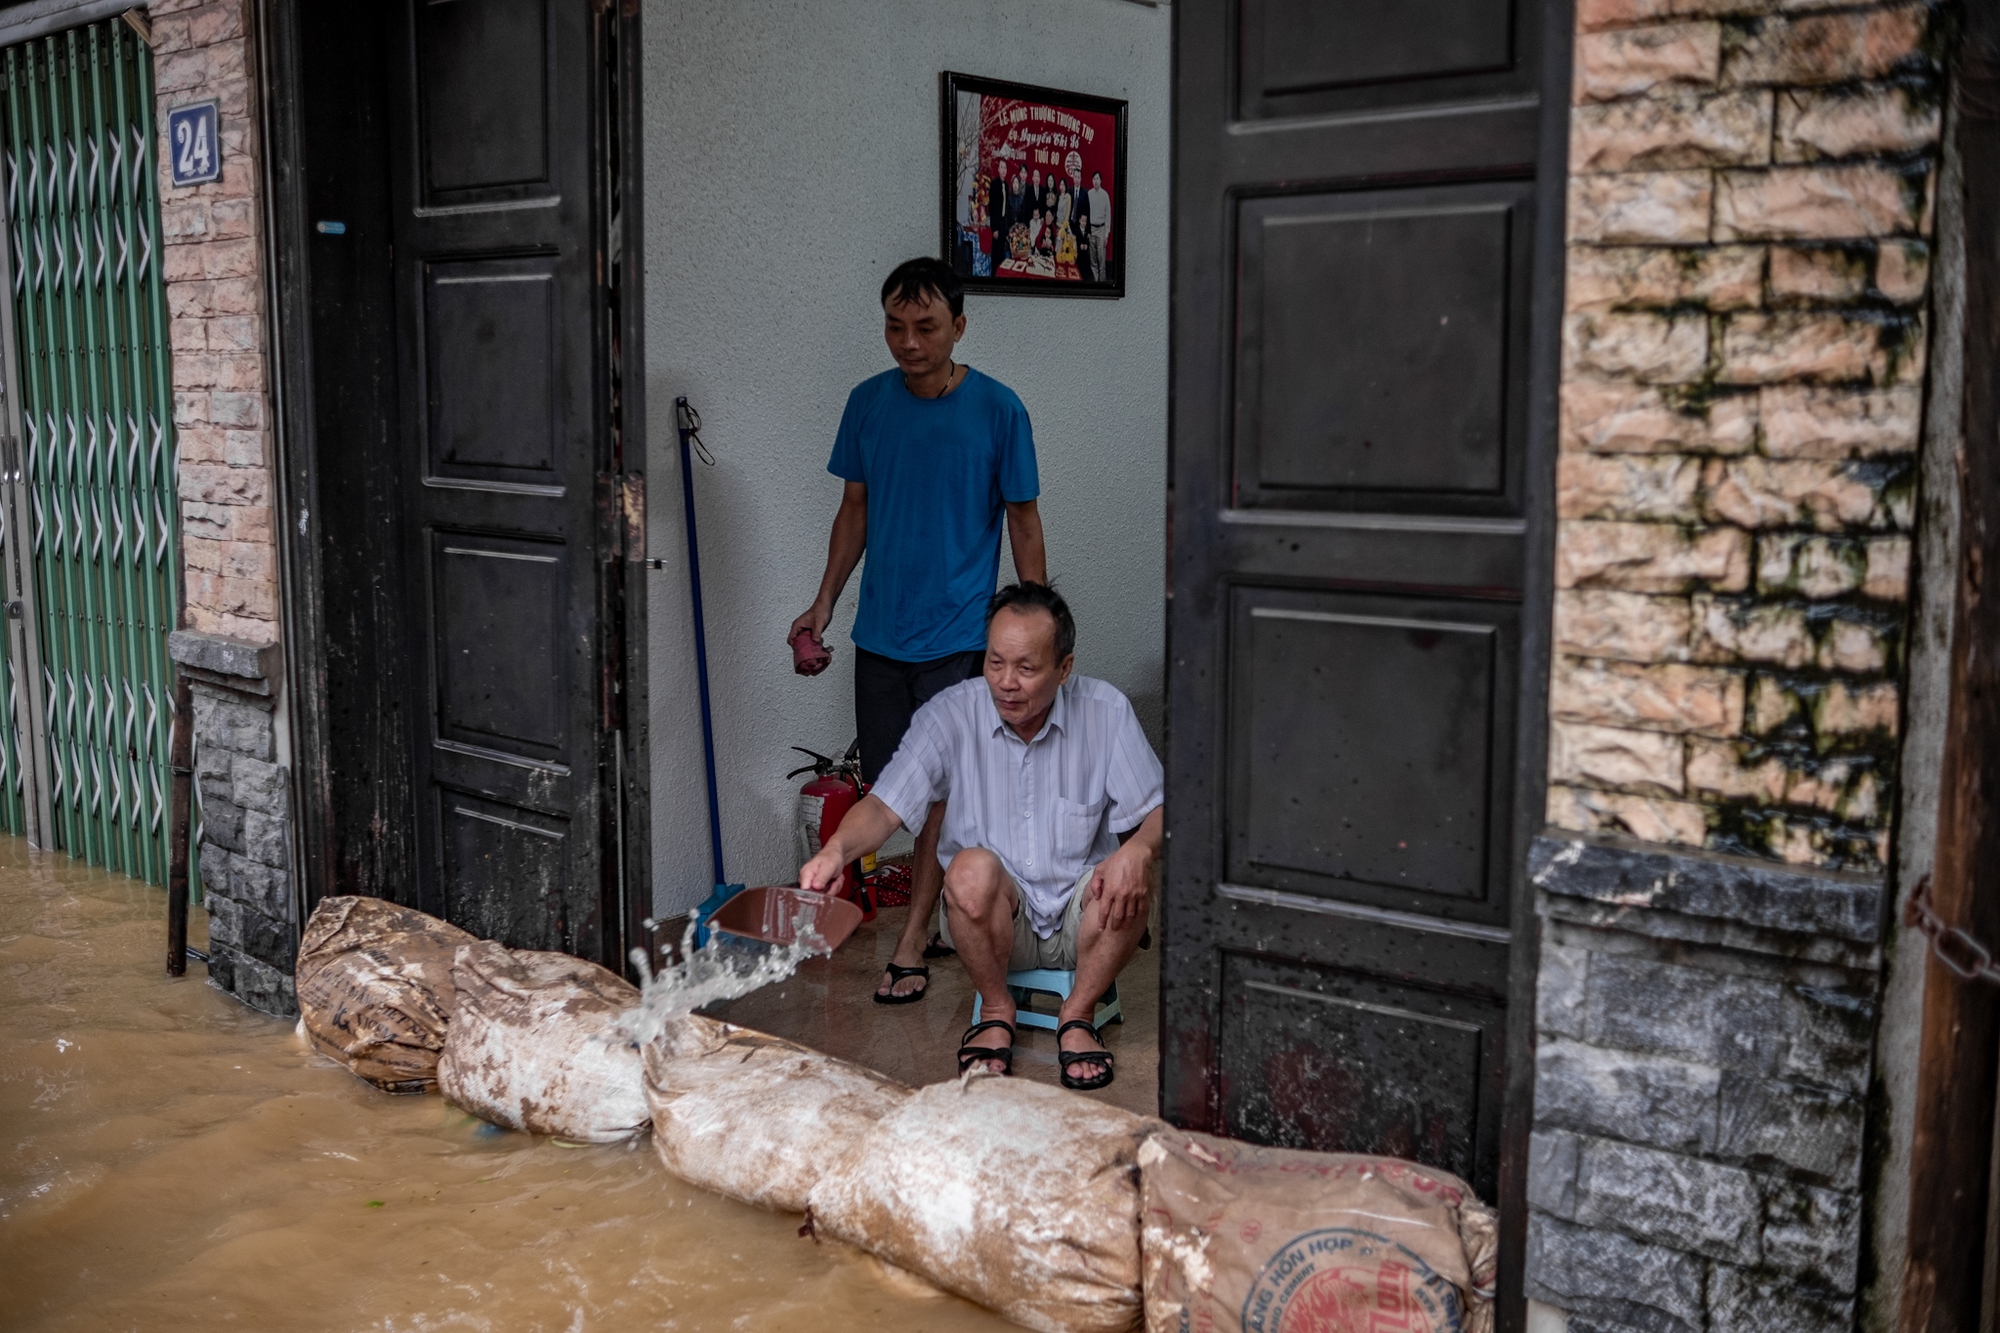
[888, 693]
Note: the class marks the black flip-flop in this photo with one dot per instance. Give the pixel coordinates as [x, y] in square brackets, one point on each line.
[970, 1055]
[1101, 1059]
[935, 947]
[896, 974]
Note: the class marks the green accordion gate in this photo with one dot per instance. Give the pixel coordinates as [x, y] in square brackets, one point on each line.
[91, 521]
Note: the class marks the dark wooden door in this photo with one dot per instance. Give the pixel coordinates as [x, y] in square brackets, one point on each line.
[1364, 256]
[505, 457]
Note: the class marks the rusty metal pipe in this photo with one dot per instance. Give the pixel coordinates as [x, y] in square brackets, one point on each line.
[180, 757]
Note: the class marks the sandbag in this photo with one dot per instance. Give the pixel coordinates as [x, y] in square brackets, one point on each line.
[756, 1117]
[1239, 1237]
[535, 1045]
[375, 989]
[1017, 1195]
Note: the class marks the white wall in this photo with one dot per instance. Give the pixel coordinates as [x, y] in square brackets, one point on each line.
[791, 160]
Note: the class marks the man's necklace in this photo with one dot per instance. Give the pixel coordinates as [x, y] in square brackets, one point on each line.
[950, 375]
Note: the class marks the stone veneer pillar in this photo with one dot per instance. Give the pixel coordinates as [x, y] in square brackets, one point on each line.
[215, 270]
[246, 866]
[1745, 344]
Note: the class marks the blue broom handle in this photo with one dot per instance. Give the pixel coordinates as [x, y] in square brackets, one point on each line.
[700, 643]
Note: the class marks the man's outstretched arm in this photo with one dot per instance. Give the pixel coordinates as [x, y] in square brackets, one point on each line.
[1024, 536]
[843, 553]
[862, 830]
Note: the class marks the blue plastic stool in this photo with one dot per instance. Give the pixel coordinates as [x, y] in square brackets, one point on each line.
[1050, 981]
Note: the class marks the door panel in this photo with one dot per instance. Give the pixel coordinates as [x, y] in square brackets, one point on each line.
[493, 353]
[483, 77]
[502, 311]
[503, 869]
[1310, 46]
[1433, 280]
[1399, 806]
[494, 591]
[1319, 1055]
[1302, 57]
[1355, 510]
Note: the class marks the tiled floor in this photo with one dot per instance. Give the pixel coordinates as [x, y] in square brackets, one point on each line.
[829, 1005]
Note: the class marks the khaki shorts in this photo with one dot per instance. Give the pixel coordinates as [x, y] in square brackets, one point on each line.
[1057, 953]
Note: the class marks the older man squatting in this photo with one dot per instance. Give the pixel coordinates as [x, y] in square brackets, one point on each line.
[1052, 831]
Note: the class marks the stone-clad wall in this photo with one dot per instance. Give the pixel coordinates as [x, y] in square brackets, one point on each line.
[1744, 351]
[215, 297]
[1744, 355]
[1702, 1064]
[246, 866]
[215, 274]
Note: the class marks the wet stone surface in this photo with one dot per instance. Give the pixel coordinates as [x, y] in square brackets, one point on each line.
[1699, 1080]
[244, 807]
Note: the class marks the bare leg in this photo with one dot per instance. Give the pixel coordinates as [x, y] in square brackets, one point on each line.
[979, 903]
[926, 879]
[1101, 954]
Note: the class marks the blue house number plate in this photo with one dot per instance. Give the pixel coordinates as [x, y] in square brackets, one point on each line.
[192, 141]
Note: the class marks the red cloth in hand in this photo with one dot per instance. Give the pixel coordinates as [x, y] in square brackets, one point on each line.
[809, 658]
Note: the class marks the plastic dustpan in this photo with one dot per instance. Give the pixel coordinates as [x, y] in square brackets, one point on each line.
[768, 914]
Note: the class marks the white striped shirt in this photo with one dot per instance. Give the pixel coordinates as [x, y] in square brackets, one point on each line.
[1049, 808]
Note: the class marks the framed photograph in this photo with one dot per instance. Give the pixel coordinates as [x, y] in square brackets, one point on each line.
[1034, 189]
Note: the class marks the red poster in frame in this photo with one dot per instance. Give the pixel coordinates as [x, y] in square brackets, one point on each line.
[1034, 188]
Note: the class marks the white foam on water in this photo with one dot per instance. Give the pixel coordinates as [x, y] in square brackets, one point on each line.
[712, 973]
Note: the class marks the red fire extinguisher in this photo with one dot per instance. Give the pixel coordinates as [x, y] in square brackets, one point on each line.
[835, 789]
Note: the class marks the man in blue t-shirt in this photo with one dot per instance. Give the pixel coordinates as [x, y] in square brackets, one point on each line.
[933, 454]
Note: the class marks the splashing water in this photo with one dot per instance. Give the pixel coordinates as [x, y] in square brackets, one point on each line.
[711, 973]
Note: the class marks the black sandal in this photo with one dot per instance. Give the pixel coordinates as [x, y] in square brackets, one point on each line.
[935, 947]
[1101, 1059]
[970, 1055]
[896, 974]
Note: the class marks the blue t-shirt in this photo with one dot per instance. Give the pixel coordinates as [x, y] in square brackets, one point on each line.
[939, 473]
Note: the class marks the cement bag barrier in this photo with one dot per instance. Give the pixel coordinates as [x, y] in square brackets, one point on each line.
[756, 1117]
[1239, 1237]
[536, 1046]
[1017, 1195]
[375, 989]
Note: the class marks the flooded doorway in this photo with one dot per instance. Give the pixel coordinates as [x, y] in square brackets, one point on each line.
[457, 435]
[170, 1159]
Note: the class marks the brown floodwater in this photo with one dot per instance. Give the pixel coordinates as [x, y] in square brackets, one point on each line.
[170, 1159]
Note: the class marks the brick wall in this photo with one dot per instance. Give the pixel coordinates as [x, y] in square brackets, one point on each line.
[215, 296]
[1744, 354]
[214, 263]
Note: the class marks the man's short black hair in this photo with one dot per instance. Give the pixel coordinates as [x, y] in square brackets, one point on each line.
[915, 281]
[1026, 596]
